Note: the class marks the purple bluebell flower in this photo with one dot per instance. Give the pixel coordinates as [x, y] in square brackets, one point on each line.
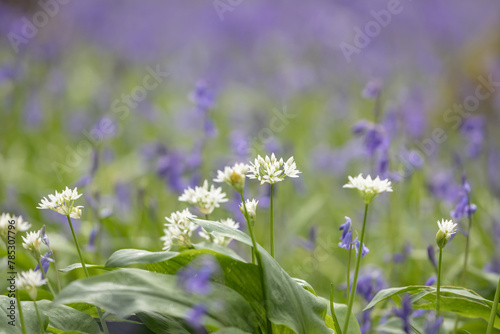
[346, 238]
[364, 249]
[366, 322]
[404, 313]
[464, 207]
[431, 280]
[196, 279]
[194, 318]
[374, 136]
[45, 261]
[370, 281]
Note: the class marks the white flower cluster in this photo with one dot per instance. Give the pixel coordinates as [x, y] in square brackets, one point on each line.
[30, 281]
[178, 230]
[368, 188]
[219, 240]
[446, 229]
[272, 170]
[234, 176]
[63, 203]
[251, 208]
[19, 225]
[32, 243]
[206, 199]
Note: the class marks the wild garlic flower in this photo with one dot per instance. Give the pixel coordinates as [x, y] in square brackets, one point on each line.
[234, 176]
[32, 243]
[446, 229]
[63, 203]
[251, 208]
[206, 199]
[272, 170]
[6, 228]
[369, 188]
[178, 230]
[217, 239]
[30, 281]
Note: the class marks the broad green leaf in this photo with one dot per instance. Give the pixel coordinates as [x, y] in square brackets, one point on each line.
[305, 285]
[126, 291]
[289, 303]
[79, 265]
[162, 323]
[125, 257]
[219, 249]
[61, 317]
[240, 276]
[387, 293]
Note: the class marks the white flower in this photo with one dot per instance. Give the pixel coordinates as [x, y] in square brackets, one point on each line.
[63, 203]
[251, 208]
[179, 229]
[234, 176]
[219, 240]
[204, 198]
[368, 188]
[446, 229]
[30, 281]
[272, 170]
[32, 243]
[6, 228]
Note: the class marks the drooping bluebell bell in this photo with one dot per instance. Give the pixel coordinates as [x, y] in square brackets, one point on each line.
[347, 241]
[196, 278]
[370, 281]
[431, 280]
[92, 238]
[405, 313]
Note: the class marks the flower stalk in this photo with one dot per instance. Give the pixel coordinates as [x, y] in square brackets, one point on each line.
[39, 318]
[272, 221]
[21, 315]
[493, 313]
[356, 272]
[439, 280]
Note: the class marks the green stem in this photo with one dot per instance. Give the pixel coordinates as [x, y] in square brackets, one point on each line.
[99, 312]
[466, 259]
[334, 317]
[349, 272]
[439, 281]
[259, 262]
[78, 248]
[39, 319]
[493, 313]
[56, 270]
[272, 222]
[356, 272]
[45, 276]
[21, 316]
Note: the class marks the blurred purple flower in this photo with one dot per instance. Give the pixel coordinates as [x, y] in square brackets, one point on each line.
[374, 136]
[431, 256]
[194, 318]
[370, 282]
[432, 323]
[92, 237]
[404, 313]
[464, 207]
[33, 113]
[431, 280]
[372, 89]
[196, 278]
[310, 242]
[401, 257]
[473, 130]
